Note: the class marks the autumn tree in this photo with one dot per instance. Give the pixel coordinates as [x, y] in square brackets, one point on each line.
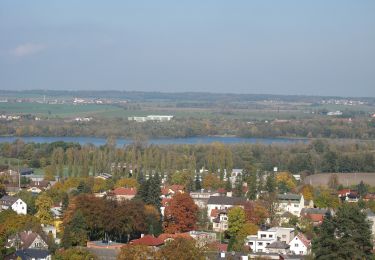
[182, 248]
[181, 214]
[43, 204]
[285, 182]
[212, 182]
[127, 183]
[307, 192]
[236, 222]
[136, 252]
[255, 212]
[74, 254]
[75, 231]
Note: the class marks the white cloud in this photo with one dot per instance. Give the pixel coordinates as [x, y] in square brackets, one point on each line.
[27, 49]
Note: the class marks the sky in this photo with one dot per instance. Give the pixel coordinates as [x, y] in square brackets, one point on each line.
[296, 47]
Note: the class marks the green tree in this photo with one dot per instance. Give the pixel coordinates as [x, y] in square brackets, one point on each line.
[271, 183]
[362, 189]
[198, 185]
[75, 232]
[236, 220]
[345, 236]
[252, 185]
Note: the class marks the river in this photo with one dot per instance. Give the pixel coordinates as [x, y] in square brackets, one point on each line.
[97, 141]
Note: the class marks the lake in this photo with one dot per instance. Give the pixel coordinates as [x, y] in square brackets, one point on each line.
[97, 141]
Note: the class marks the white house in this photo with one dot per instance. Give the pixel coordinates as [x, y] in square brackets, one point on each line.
[223, 203]
[300, 245]
[16, 204]
[264, 238]
[220, 223]
[290, 202]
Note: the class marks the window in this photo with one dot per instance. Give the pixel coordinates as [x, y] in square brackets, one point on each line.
[270, 236]
[263, 235]
[260, 250]
[260, 243]
[267, 244]
[301, 252]
[284, 236]
[296, 205]
[296, 245]
[251, 243]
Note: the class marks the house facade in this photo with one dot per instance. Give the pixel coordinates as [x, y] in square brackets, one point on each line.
[27, 240]
[258, 243]
[14, 203]
[300, 245]
[223, 203]
[290, 202]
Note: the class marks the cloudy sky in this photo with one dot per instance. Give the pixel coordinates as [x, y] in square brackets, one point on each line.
[282, 47]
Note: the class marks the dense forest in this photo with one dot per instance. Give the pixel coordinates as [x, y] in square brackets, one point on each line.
[187, 127]
[75, 160]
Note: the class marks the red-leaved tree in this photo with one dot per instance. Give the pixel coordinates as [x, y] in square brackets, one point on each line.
[181, 214]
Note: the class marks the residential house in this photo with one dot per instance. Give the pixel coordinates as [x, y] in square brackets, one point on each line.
[348, 195]
[201, 197]
[38, 186]
[300, 245]
[27, 240]
[220, 223]
[278, 247]
[26, 171]
[169, 191]
[164, 203]
[148, 240]
[14, 203]
[203, 238]
[122, 193]
[315, 215]
[223, 203]
[264, 238]
[289, 202]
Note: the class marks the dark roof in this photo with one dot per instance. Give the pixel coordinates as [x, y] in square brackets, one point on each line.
[289, 196]
[224, 200]
[8, 200]
[313, 211]
[278, 245]
[28, 254]
[26, 171]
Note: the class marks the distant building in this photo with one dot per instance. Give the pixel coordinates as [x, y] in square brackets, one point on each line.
[33, 254]
[156, 118]
[123, 193]
[27, 240]
[201, 197]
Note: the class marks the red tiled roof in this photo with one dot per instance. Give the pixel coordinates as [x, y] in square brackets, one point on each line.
[343, 192]
[124, 191]
[303, 239]
[219, 247]
[316, 217]
[148, 240]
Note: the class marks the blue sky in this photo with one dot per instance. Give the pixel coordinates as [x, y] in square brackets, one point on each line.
[276, 47]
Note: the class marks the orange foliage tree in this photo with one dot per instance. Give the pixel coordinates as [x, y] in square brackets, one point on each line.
[255, 212]
[181, 214]
[307, 192]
